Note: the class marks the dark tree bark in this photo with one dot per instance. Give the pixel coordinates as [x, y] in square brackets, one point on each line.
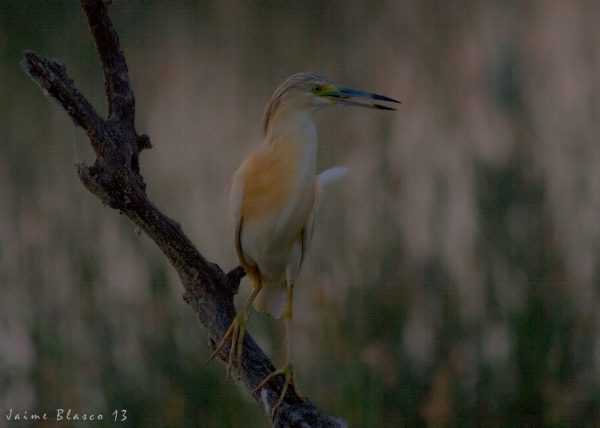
[116, 179]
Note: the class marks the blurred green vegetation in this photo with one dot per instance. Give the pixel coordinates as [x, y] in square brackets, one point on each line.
[453, 280]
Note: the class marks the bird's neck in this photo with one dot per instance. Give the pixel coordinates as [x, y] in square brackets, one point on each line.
[292, 138]
[293, 128]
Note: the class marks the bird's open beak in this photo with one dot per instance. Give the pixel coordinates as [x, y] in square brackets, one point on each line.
[359, 98]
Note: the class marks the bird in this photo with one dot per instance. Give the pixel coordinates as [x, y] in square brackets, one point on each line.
[274, 197]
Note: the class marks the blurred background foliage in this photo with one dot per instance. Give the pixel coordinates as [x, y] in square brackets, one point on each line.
[453, 279]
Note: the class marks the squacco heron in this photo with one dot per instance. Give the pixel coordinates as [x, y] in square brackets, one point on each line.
[274, 195]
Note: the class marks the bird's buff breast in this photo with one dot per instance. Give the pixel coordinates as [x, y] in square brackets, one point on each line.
[272, 181]
[278, 193]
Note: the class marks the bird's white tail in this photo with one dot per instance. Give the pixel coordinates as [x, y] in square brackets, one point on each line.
[271, 298]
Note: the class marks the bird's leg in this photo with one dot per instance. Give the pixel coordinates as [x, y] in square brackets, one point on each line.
[288, 369]
[235, 332]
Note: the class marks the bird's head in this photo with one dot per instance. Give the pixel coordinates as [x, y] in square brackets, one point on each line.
[311, 92]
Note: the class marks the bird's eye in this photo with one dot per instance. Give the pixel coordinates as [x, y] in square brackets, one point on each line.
[316, 89]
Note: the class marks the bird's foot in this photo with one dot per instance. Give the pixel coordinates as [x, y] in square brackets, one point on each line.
[288, 372]
[235, 336]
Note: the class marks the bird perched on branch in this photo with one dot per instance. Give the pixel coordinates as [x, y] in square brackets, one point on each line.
[274, 195]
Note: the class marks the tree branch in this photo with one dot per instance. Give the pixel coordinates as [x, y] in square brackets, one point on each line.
[116, 179]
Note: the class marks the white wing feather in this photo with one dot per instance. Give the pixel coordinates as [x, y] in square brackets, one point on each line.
[331, 175]
[324, 180]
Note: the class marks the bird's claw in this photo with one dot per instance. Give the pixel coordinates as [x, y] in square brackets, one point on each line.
[288, 372]
[235, 335]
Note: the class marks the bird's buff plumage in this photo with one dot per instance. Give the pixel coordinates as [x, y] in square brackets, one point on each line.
[275, 190]
[274, 199]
